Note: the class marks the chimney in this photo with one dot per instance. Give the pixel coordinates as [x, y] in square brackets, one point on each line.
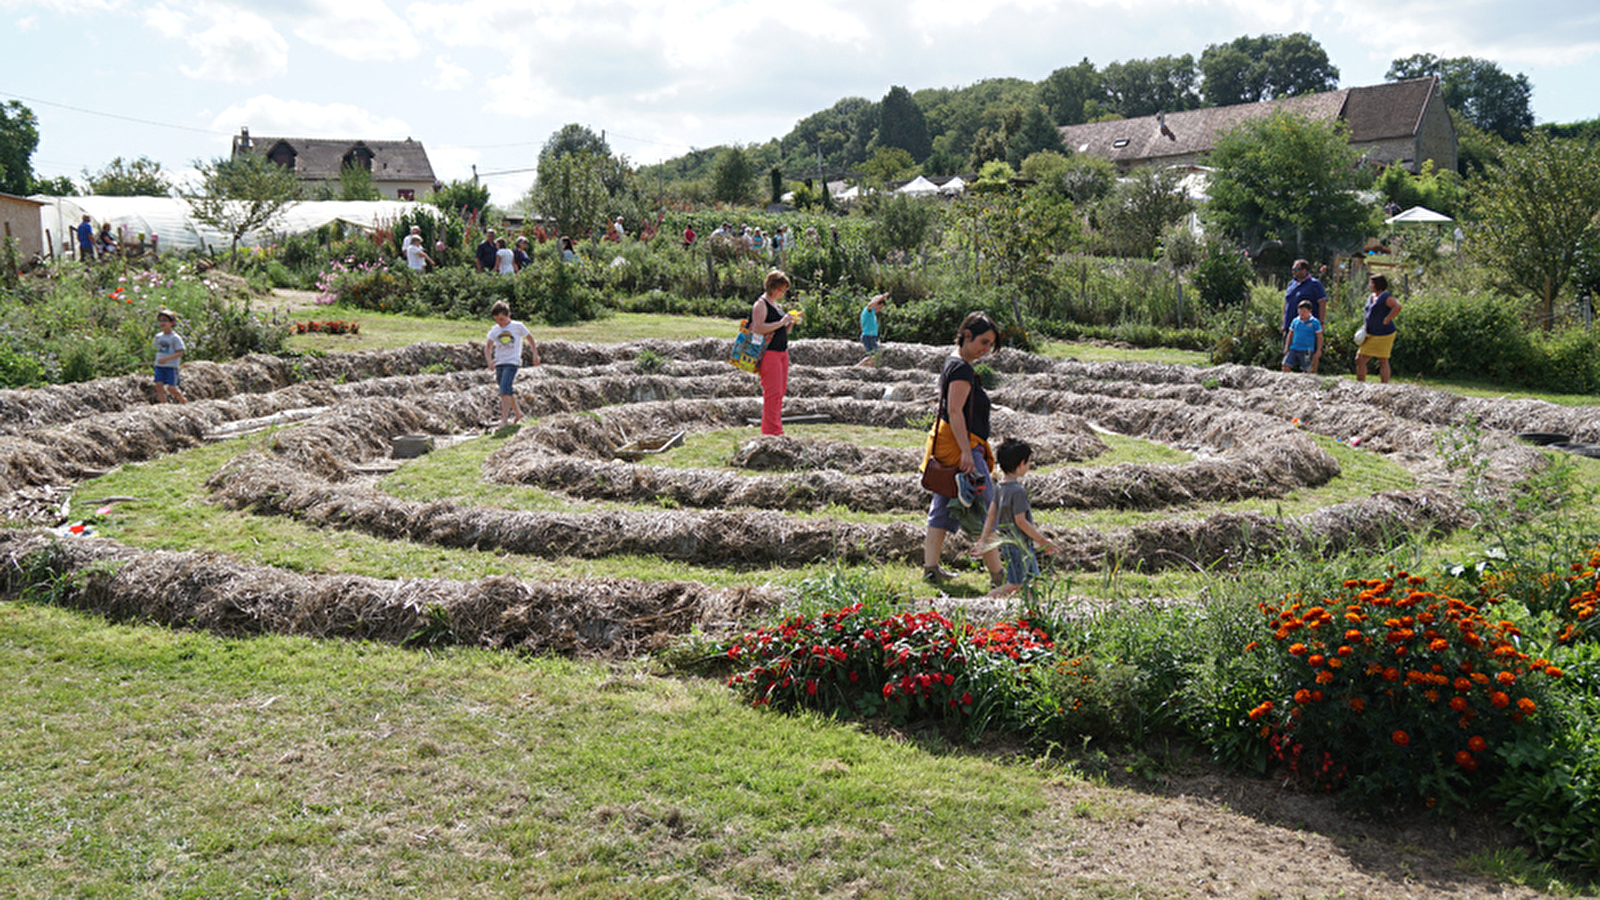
[244, 137]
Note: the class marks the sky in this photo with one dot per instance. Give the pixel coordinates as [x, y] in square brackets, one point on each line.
[483, 83]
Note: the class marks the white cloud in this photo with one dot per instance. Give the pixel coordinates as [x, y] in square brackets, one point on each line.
[362, 30]
[27, 24]
[268, 115]
[229, 45]
[447, 76]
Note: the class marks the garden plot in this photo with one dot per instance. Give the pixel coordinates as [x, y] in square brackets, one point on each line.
[778, 502]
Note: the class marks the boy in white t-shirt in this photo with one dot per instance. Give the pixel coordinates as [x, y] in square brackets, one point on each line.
[503, 350]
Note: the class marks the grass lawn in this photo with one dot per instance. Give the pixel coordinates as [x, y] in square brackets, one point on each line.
[387, 331]
[141, 762]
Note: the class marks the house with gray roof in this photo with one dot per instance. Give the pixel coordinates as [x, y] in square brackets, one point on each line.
[400, 169]
[1398, 122]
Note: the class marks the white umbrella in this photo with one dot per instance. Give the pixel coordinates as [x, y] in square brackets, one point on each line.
[1417, 214]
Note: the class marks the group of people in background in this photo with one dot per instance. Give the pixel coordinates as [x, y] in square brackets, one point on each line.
[1304, 310]
[93, 244]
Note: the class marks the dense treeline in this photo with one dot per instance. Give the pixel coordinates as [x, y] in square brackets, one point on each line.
[946, 131]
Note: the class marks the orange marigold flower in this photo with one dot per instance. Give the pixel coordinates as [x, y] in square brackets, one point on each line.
[1552, 671]
[1324, 677]
[1506, 678]
[1316, 696]
[1499, 699]
[1439, 645]
[1477, 744]
[1391, 674]
[1358, 704]
[1459, 704]
[1297, 649]
[1527, 706]
[1335, 662]
[1316, 659]
[1250, 646]
[1400, 738]
[1463, 684]
[1345, 650]
[1465, 760]
[1261, 710]
[1302, 696]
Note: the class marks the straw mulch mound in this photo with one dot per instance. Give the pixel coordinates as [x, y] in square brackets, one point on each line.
[729, 538]
[589, 617]
[736, 537]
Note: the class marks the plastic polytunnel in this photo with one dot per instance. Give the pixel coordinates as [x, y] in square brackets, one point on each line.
[170, 219]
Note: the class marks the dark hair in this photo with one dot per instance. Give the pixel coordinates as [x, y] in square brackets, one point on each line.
[500, 306]
[1301, 264]
[974, 324]
[1013, 452]
[1380, 282]
[1306, 304]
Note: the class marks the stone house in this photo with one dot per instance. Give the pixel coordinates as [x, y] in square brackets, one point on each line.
[400, 169]
[1398, 122]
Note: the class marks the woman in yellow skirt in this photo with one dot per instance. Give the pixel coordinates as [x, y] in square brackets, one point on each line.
[1378, 320]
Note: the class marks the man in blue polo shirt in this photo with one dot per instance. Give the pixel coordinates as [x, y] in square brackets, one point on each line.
[1303, 287]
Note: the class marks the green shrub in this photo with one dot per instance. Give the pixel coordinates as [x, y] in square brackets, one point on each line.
[1465, 336]
[1568, 362]
[1397, 694]
[1221, 275]
[1550, 788]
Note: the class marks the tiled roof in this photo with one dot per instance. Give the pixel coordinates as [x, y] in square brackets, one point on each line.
[1373, 113]
[322, 158]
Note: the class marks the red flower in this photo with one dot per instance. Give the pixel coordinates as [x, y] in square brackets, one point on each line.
[1400, 738]
[1466, 761]
[1477, 744]
[1499, 699]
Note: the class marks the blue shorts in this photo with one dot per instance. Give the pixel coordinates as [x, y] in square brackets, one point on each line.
[869, 341]
[1298, 359]
[504, 375]
[167, 375]
[1021, 565]
[941, 512]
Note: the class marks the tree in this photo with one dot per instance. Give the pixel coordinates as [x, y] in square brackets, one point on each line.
[1288, 179]
[573, 138]
[829, 133]
[899, 223]
[19, 137]
[241, 195]
[141, 177]
[1144, 87]
[466, 199]
[1540, 216]
[355, 183]
[1267, 67]
[888, 164]
[1485, 94]
[901, 124]
[1065, 91]
[1035, 132]
[1139, 208]
[732, 176]
[570, 190]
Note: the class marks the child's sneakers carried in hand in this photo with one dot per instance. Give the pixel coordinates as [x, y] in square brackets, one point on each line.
[968, 489]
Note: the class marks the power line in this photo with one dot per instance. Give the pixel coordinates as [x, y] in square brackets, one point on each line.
[95, 112]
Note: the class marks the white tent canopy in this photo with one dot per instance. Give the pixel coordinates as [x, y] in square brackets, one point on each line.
[954, 186]
[170, 219]
[1417, 214]
[918, 186]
